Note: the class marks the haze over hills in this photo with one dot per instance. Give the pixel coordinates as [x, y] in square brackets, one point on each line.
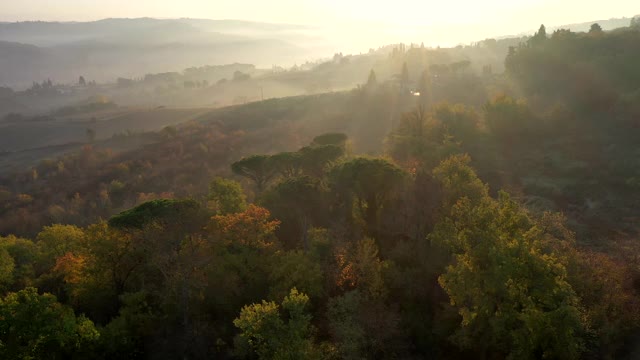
[55, 33]
[607, 25]
[145, 53]
[106, 49]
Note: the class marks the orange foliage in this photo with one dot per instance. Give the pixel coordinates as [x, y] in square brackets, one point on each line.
[347, 277]
[251, 227]
[609, 295]
[71, 267]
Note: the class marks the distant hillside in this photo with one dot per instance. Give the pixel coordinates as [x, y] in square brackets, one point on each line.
[132, 30]
[606, 25]
[20, 62]
[106, 49]
[610, 24]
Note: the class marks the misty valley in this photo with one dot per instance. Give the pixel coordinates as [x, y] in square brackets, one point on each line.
[180, 188]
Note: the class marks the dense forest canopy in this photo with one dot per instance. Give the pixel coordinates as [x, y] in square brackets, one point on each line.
[451, 206]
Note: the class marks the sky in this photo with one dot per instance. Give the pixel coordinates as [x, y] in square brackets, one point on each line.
[370, 18]
[318, 12]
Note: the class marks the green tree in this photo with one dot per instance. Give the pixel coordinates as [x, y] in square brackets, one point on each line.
[244, 245]
[124, 336]
[25, 255]
[372, 81]
[301, 198]
[278, 332]
[39, 327]
[595, 29]
[315, 160]
[181, 212]
[55, 241]
[226, 196]
[461, 122]
[540, 37]
[288, 164]
[295, 269]
[404, 76]
[458, 181]
[508, 119]
[6, 269]
[345, 325]
[423, 140]
[338, 139]
[511, 292]
[258, 168]
[370, 182]
[91, 135]
[424, 87]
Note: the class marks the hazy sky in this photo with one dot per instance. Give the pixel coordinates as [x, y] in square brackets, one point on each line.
[520, 13]
[372, 20]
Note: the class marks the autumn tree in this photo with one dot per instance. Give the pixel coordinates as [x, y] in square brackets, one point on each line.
[252, 227]
[251, 231]
[607, 292]
[57, 240]
[54, 243]
[243, 253]
[107, 268]
[360, 321]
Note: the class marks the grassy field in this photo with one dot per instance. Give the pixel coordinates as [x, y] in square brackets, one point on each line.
[24, 143]
[47, 131]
